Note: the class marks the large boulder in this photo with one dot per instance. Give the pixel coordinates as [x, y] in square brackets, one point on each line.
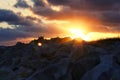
[83, 65]
[52, 72]
[6, 73]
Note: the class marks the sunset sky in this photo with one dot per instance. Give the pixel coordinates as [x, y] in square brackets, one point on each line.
[24, 20]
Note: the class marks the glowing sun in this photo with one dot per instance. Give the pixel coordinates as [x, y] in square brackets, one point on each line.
[39, 44]
[77, 33]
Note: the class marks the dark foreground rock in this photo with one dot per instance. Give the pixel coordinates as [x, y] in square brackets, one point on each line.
[61, 59]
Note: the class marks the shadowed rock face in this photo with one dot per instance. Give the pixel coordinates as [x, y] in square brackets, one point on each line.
[61, 59]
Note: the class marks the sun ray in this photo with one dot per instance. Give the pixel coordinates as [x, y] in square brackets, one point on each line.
[77, 33]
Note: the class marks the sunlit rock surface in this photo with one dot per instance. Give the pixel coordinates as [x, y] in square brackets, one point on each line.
[61, 59]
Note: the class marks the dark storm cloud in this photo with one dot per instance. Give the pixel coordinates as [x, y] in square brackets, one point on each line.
[34, 28]
[12, 18]
[23, 26]
[42, 10]
[25, 29]
[20, 31]
[51, 14]
[22, 21]
[22, 4]
[46, 12]
[11, 34]
[89, 4]
[60, 2]
[38, 3]
[8, 16]
[77, 8]
[111, 18]
[16, 19]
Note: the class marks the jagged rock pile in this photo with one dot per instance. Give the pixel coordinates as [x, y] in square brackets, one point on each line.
[61, 59]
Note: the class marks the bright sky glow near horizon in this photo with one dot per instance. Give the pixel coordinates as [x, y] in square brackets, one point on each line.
[24, 20]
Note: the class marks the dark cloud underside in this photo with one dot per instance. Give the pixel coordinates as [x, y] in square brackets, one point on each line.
[8, 16]
[89, 4]
[23, 26]
[10, 34]
[22, 4]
